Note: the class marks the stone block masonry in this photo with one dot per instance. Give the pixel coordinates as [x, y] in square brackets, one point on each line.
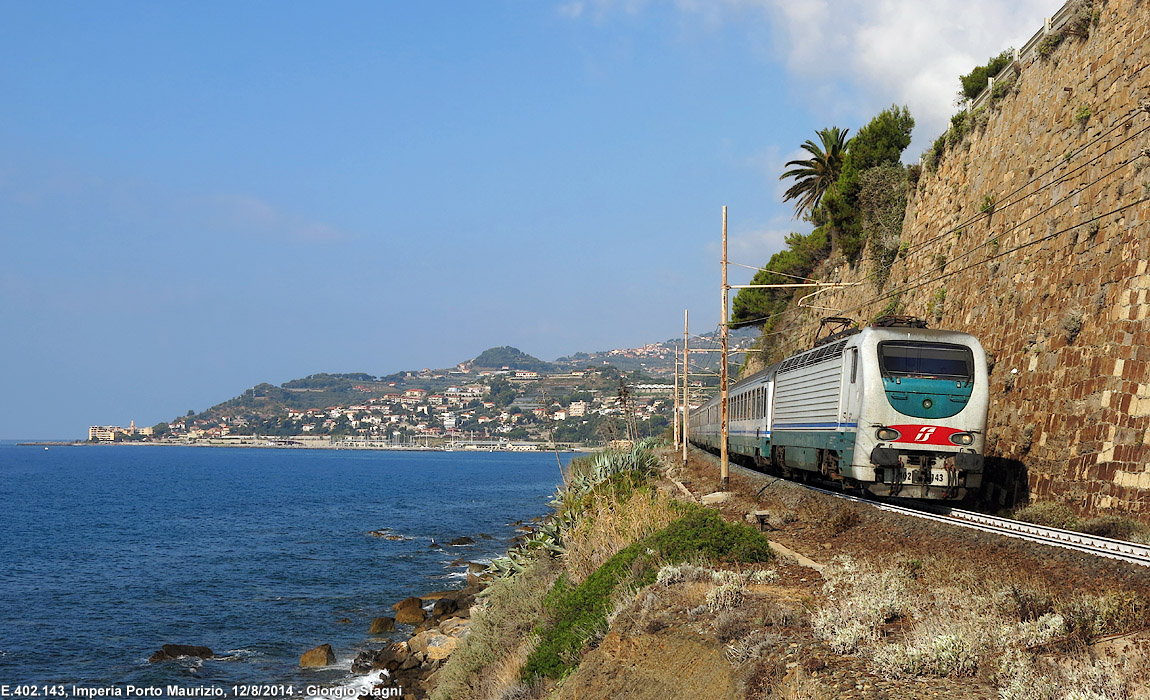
[1033, 233]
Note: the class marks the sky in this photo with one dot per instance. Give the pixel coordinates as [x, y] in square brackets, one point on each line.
[199, 197]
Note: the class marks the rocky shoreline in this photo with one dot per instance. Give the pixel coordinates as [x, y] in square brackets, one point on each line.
[440, 619]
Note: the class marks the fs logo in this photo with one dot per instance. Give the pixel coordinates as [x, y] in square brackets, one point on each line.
[924, 434]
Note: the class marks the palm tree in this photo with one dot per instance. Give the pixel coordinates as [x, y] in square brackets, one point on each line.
[814, 176]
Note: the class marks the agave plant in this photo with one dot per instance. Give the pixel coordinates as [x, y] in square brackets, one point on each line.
[581, 479]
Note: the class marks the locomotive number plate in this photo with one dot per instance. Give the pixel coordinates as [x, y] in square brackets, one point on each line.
[914, 476]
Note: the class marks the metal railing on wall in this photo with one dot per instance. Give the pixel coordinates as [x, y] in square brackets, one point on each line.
[1026, 53]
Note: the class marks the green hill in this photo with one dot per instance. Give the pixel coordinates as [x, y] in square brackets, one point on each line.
[511, 358]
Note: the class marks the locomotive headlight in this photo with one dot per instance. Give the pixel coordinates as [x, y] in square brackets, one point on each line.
[962, 438]
[927, 403]
[888, 434]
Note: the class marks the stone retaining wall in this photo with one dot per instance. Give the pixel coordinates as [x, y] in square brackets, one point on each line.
[1052, 277]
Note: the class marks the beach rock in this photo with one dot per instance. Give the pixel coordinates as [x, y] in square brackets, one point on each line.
[382, 625]
[475, 572]
[389, 657]
[461, 541]
[436, 595]
[411, 616]
[427, 624]
[320, 656]
[440, 646]
[418, 643]
[387, 534]
[175, 651]
[444, 606]
[455, 627]
[411, 602]
[409, 611]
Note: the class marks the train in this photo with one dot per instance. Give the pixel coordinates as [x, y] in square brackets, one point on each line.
[894, 409]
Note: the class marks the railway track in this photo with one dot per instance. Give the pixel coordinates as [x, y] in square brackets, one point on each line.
[1055, 537]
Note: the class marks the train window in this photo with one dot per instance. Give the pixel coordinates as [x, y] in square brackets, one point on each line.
[854, 364]
[929, 360]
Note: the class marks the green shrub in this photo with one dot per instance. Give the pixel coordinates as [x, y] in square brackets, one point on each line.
[881, 141]
[1050, 514]
[1002, 88]
[959, 125]
[974, 82]
[578, 614]
[1112, 612]
[1115, 527]
[1047, 46]
[933, 156]
[798, 259]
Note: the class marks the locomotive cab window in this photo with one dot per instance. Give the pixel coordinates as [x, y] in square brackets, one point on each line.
[926, 360]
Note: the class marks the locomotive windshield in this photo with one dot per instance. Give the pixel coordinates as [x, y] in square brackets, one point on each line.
[926, 360]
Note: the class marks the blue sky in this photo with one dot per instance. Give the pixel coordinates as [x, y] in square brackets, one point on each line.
[199, 197]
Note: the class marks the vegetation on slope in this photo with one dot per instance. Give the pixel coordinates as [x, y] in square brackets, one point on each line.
[577, 614]
[612, 531]
[865, 200]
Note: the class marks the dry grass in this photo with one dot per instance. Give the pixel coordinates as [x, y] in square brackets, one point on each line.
[859, 598]
[606, 526]
[962, 627]
[799, 685]
[488, 663]
[1022, 676]
[503, 678]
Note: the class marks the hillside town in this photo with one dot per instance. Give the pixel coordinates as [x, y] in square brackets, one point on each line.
[508, 407]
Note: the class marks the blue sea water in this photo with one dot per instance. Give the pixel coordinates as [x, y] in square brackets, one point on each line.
[107, 553]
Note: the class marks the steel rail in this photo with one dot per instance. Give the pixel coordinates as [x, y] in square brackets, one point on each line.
[1053, 536]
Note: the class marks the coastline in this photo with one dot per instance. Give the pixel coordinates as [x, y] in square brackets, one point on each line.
[281, 579]
[308, 444]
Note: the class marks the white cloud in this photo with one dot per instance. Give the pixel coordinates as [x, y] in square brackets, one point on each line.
[882, 51]
[747, 247]
[901, 51]
[748, 250]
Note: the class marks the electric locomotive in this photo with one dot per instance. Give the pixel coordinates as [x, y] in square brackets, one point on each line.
[894, 409]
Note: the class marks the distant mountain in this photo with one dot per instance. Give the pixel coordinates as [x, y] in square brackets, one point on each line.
[511, 358]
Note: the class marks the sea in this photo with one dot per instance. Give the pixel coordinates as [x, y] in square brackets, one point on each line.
[109, 552]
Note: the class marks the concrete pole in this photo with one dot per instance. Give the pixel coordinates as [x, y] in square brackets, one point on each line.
[686, 392]
[724, 458]
[676, 415]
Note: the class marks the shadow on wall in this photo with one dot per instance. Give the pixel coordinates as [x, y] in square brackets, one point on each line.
[1005, 483]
